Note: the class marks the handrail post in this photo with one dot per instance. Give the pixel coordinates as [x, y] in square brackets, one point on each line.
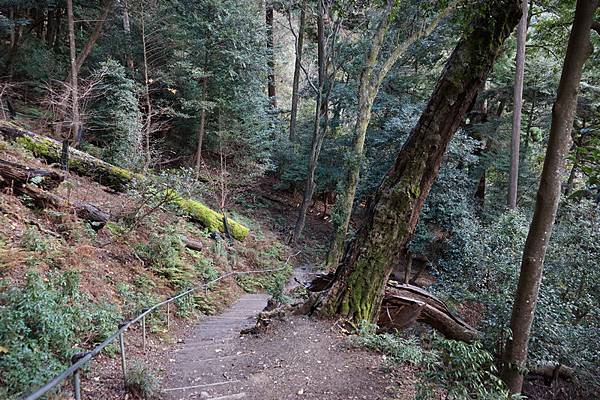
[76, 376]
[144, 333]
[122, 349]
[168, 316]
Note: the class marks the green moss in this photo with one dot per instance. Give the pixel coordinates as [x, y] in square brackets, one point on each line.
[207, 217]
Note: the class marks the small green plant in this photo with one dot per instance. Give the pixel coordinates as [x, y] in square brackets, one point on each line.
[141, 383]
[464, 371]
[33, 241]
[163, 256]
[397, 349]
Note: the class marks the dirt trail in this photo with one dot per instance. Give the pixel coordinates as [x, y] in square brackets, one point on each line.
[300, 358]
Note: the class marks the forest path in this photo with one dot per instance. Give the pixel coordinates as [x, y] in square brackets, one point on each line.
[301, 358]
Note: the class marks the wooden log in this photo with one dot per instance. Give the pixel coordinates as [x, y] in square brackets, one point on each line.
[43, 178]
[113, 177]
[85, 211]
[192, 243]
[19, 178]
[207, 217]
[405, 304]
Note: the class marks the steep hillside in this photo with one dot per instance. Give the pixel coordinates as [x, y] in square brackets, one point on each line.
[69, 282]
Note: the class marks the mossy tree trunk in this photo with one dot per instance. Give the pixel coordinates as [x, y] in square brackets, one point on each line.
[358, 287]
[370, 82]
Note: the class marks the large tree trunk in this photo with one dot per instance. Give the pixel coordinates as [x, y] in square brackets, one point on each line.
[271, 54]
[297, 68]
[513, 176]
[358, 288]
[370, 81]
[548, 196]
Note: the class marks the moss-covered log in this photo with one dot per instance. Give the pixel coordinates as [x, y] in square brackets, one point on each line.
[80, 162]
[112, 176]
[358, 288]
[207, 217]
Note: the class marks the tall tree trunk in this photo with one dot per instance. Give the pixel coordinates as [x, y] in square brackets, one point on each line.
[370, 81]
[319, 127]
[271, 54]
[87, 49]
[357, 289]
[297, 68]
[148, 124]
[563, 115]
[513, 176]
[127, 30]
[73, 74]
[202, 125]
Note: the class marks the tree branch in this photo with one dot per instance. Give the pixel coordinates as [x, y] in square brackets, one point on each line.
[402, 47]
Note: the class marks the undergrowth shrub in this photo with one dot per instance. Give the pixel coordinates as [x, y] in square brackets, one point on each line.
[458, 370]
[162, 254]
[40, 325]
[141, 383]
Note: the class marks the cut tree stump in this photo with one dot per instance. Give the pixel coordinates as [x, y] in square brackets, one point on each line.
[114, 177]
[191, 243]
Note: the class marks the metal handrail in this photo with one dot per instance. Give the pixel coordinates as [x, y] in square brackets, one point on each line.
[80, 359]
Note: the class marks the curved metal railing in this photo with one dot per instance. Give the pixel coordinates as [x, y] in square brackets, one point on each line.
[80, 359]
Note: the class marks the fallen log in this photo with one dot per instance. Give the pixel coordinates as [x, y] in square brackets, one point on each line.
[43, 178]
[22, 180]
[85, 211]
[79, 162]
[114, 177]
[405, 304]
[554, 371]
[209, 218]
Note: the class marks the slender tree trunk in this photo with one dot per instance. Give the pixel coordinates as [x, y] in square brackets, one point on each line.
[318, 127]
[127, 30]
[271, 54]
[513, 176]
[51, 27]
[73, 74]
[11, 17]
[148, 125]
[202, 125]
[370, 81]
[87, 49]
[548, 196]
[358, 286]
[297, 68]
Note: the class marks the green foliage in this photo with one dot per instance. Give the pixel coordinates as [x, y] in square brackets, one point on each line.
[162, 254]
[117, 120]
[141, 383]
[33, 241]
[463, 372]
[40, 325]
